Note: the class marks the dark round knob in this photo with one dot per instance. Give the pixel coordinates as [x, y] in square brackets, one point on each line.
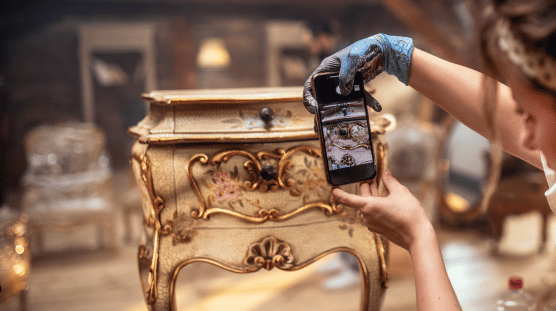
[268, 172]
[344, 132]
[266, 115]
[344, 111]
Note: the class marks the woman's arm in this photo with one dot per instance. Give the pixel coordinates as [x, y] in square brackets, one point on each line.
[459, 91]
[433, 288]
[399, 217]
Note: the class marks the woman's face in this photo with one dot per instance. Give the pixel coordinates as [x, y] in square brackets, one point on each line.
[538, 112]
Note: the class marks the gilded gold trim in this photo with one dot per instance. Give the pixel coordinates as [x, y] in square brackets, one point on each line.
[351, 148]
[382, 261]
[339, 126]
[364, 272]
[142, 253]
[274, 214]
[269, 253]
[381, 161]
[379, 126]
[241, 137]
[226, 96]
[253, 167]
[349, 127]
[203, 159]
[152, 221]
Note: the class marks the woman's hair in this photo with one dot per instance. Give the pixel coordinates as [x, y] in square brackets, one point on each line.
[532, 22]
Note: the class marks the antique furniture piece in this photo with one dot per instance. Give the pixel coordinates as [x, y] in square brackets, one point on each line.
[411, 150]
[68, 182]
[15, 258]
[113, 38]
[235, 178]
[128, 199]
[508, 186]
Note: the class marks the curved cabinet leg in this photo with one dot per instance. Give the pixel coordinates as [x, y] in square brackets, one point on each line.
[165, 300]
[374, 281]
[156, 287]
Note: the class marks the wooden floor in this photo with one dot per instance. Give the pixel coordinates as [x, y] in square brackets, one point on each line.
[72, 277]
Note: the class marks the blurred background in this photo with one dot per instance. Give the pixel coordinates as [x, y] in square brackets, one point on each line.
[71, 78]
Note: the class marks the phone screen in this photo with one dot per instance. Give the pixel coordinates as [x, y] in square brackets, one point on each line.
[345, 135]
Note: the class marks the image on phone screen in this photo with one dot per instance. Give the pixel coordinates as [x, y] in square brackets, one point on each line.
[346, 135]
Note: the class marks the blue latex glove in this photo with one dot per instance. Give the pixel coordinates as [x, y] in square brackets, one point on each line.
[371, 56]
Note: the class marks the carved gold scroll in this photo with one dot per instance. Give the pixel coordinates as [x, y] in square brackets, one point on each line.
[151, 221]
[254, 167]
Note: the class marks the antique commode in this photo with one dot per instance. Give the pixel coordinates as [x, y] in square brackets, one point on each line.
[235, 178]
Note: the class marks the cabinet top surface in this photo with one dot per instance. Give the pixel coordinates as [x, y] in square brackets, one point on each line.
[225, 96]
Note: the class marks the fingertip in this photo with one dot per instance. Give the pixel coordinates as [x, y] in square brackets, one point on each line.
[338, 194]
[387, 175]
[310, 104]
[337, 191]
[374, 188]
[309, 100]
[376, 106]
[341, 196]
[365, 189]
[346, 88]
[389, 181]
[346, 76]
[372, 102]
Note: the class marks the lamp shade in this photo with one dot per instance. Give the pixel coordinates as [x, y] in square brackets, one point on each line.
[213, 54]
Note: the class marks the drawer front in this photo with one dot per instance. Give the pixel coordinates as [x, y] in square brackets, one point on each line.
[252, 183]
[224, 184]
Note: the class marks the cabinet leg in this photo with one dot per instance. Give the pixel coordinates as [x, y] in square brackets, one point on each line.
[165, 301]
[367, 260]
[157, 289]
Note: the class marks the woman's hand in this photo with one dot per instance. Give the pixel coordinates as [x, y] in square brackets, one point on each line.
[371, 56]
[397, 215]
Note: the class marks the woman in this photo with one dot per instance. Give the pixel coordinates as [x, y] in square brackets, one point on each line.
[519, 48]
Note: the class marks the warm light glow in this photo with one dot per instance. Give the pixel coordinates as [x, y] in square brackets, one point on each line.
[392, 120]
[18, 229]
[19, 269]
[213, 54]
[19, 249]
[456, 203]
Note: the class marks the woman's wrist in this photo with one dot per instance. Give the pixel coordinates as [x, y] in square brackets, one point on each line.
[433, 288]
[423, 238]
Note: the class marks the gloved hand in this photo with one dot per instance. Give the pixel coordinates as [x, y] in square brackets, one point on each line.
[371, 56]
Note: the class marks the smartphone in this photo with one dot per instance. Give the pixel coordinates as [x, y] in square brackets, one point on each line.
[344, 131]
